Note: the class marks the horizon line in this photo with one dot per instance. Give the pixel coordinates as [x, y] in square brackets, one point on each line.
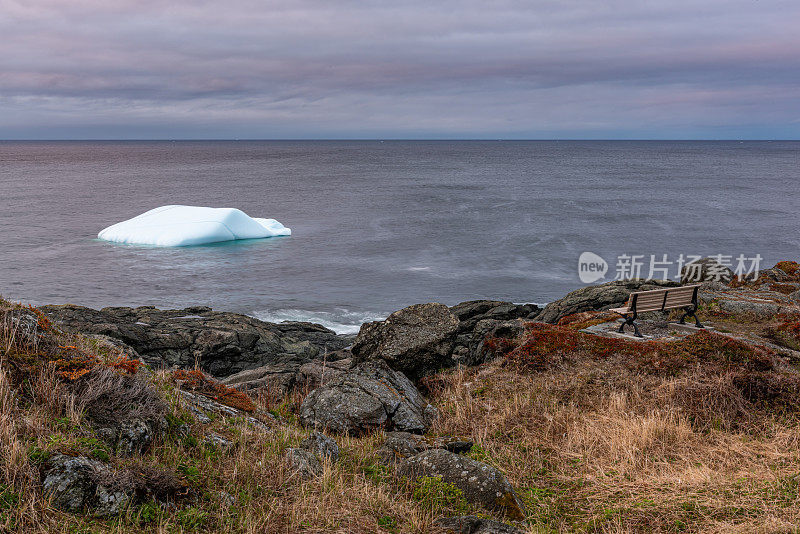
[389, 139]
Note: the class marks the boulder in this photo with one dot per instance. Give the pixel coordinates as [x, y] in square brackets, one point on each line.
[222, 343]
[71, 482]
[401, 445]
[416, 340]
[705, 270]
[481, 484]
[476, 318]
[370, 396]
[598, 297]
[470, 524]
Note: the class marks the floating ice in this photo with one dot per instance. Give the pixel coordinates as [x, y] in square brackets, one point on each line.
[180, 226]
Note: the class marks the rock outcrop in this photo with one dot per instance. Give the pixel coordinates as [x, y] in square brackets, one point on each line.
[287, 375]
[705, 270]
[416, 340]
[370, 396]
[479, 317]
[481, 484]
[221, 343]
[599, 297]
[401, 445]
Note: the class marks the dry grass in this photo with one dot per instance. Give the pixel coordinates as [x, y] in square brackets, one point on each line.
[595, 445]
[596, 439]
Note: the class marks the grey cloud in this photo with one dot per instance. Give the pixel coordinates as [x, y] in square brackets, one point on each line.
[404, 69]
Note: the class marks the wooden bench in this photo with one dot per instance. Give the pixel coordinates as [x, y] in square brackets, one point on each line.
[659, 300]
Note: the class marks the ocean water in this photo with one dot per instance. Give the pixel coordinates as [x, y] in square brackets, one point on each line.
[381, 225]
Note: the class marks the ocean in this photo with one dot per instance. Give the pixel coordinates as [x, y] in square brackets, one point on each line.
[381, 225]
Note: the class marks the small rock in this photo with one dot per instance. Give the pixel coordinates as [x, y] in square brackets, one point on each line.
[110, 502]
[470, 524]
[215, 440]
[135, 437]
[481, 483]
[226, 498]
[322, 446]
[304, 462]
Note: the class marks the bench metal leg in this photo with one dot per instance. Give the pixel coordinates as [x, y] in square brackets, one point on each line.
[690, 312]
[630, 321]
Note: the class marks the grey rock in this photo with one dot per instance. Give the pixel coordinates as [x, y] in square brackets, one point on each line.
[226, 498]
[761, 310]
[401, 445]
[198, 404]
[470, 524]
[110, 502]
[476, 319]
[304, 462]
[370, 396]
[70, 482]
[794, 296]
[222, 343]
[480, 483]
[282, 377]
[598, 297]
[705, 270]
[319, 372]
[215, 440]
[322, 446]
[416, 340]
[135, 436]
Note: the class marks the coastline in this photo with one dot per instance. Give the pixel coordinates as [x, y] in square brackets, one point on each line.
[445, 418]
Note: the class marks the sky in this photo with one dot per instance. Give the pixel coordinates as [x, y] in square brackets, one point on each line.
[304, 69]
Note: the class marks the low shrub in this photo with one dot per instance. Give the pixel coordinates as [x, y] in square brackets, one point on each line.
[201, 383]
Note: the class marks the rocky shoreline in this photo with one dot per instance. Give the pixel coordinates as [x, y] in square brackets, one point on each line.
[376, 383]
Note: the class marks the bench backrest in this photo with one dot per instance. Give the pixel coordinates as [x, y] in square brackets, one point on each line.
[663, 299]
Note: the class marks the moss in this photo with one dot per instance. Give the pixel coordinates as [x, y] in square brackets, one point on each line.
[508, 502]
[547, 345]
[786, 334]
[439, 497]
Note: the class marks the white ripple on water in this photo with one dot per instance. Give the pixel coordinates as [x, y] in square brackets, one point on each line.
[341, 320]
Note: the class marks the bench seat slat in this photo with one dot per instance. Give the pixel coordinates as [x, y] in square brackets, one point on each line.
[659, 299]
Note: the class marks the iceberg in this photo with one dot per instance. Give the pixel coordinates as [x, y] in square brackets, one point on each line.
[181, 226]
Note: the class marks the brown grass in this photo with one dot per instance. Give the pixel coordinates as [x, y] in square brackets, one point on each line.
[600, 438]
[597, 438]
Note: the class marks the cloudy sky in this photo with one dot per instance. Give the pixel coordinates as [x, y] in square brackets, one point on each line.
[719, 69]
